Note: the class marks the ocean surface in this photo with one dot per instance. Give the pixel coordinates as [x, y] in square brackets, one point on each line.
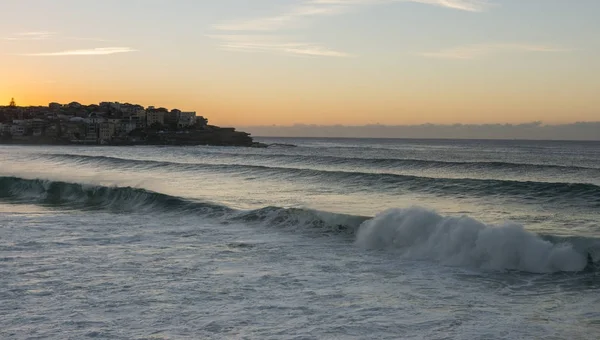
[306, 239]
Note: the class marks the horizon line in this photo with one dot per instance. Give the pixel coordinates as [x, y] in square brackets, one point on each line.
[457, 124]
[438, 138]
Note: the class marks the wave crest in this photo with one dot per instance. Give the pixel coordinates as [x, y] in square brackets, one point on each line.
[422, 234]
[94, 197]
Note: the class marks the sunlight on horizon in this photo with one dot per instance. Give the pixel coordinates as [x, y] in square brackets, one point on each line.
[307, 62]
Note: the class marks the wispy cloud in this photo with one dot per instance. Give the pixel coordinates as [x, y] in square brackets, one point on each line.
[84, 52]
[316, 8]
[476, 51]
[276, 44]
[304, 11]
[307, 10]
[46, 35]
[463, 5]
[32, 37]
[35, 35]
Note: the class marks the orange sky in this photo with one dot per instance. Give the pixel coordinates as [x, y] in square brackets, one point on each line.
[313, 67]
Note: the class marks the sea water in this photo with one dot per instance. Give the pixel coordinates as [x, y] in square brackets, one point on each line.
[306, 239]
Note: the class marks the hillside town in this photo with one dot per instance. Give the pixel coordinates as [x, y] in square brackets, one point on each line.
[111, 123]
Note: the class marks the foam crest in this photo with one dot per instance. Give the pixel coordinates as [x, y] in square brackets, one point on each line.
[422, 234]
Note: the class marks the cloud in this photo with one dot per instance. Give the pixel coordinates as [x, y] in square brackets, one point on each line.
[469, 52]
[463, 5]
[34, 35]
[295, 14]
[276, 44]
[316, 8]
[534, 130]
[306, 10]
[84, 52]
[47, 35]
[88, 39]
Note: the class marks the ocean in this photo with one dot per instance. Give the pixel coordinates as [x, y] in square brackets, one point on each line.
[307, 239]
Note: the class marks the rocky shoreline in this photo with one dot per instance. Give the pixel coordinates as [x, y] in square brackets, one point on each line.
[214, 137]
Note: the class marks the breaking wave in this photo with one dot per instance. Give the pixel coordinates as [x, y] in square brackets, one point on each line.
[422, 234]
[413, 233]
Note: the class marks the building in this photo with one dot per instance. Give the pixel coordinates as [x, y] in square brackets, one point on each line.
[37, 126]
[91, 133]
[155, 116]
[52, 131]
[37, 123]
[186, 119]
[18, 130]
[172, 118]
[96, 118]
[139, 117]
[5, 129]
[73, 130]
[126, 126]
[107, 131]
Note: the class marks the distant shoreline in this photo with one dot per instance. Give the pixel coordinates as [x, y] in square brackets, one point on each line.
[112, 123]
[63, 143]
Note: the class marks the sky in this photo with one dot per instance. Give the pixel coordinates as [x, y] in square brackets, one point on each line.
[324, 62]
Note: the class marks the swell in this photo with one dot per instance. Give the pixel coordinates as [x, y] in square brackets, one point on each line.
[565, 194]
[413, 233]
[93, 197]
[59, 194]
[389, 163]
[415, 163]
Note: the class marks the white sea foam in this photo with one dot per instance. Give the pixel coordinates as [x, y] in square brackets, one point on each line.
[422, 234]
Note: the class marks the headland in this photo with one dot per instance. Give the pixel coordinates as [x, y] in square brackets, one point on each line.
[112, 123]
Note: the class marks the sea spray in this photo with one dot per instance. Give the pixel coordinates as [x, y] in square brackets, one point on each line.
[422, 234]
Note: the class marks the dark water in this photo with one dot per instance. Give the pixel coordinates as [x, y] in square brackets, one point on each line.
[329, 238]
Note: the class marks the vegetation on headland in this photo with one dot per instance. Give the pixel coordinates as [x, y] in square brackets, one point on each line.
[112, 123]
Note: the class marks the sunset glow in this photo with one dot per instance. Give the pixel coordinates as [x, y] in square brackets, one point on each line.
[289, 62]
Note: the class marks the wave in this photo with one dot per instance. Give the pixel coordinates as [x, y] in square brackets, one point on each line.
[93, 197]
[413, 233]
[564, 194]
[415, 163]
[387, 163]
[422, 234]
